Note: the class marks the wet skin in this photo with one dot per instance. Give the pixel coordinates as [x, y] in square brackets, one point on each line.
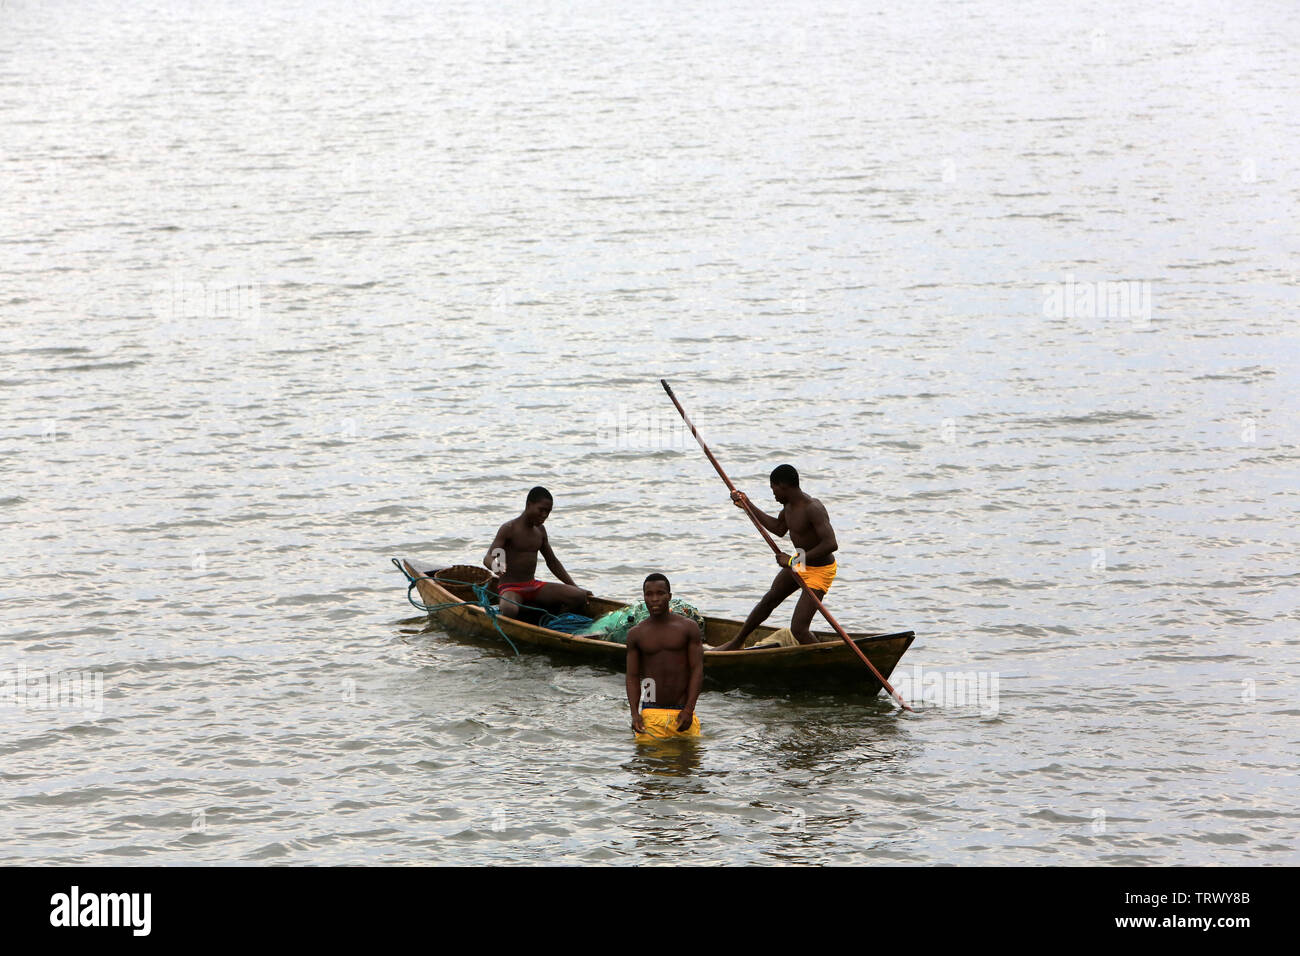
[521, 539]
[668, 649]
[810, 530]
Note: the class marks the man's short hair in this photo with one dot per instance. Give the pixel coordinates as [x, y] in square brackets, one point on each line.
[538, 494]
[785, 475]
[656, 576]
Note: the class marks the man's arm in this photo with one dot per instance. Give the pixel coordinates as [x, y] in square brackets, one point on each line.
[498, 546]
[775, 525]
[695, 661]
[826, 543]
[553, 562]
[634, 680]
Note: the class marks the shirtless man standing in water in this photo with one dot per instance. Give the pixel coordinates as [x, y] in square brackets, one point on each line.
[665, 668]
[811, 532]
[513, 556]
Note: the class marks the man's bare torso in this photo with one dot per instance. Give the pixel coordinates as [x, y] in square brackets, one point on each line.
[664, 647]
[522, 543]
[799, 517]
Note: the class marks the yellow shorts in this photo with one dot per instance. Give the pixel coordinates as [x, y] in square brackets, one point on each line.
[661, 724]
[819, 579]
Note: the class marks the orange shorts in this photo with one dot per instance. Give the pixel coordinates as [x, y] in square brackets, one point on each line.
[819, 579]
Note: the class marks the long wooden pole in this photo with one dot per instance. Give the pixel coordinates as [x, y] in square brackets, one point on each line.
[777, 548]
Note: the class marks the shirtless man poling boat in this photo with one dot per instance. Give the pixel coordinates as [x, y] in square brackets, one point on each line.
[811, 532]
[665, 668]
[513, 558]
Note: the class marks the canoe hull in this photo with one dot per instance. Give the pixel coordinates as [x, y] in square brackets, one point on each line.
[829, 663]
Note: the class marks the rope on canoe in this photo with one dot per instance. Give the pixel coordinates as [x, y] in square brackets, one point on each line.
[480, 594]
[566, 623]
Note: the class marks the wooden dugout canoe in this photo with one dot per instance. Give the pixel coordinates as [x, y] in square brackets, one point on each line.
[808, 666]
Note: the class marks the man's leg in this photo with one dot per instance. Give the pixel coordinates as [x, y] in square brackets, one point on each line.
[783, 585]
[507, 604]
[803, 615]
[560, 598]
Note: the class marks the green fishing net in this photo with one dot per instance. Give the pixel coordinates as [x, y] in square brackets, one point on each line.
[615, 625]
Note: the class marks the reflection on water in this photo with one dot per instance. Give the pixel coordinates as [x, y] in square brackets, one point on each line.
[859, 737]
[675, 757]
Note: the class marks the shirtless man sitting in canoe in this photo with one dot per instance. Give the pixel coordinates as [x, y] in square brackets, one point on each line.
[665, 668]
[810, 531]
[513, 558]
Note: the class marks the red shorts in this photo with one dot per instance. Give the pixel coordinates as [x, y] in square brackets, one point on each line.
[521, 591]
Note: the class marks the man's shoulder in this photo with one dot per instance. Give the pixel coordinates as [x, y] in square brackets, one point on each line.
[672, 619]
[683, 622]
[517, 525]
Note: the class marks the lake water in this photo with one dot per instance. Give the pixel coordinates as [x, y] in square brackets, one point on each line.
[291, 289]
